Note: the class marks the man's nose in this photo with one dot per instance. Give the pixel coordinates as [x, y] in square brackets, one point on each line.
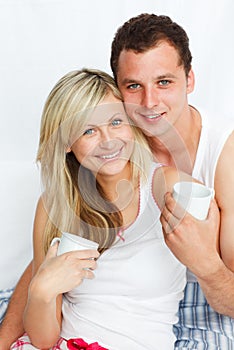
[150, 98]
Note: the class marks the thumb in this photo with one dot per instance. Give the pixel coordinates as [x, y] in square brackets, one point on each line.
[52, 251]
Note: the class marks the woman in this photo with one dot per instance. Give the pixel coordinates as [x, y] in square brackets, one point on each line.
[100, 183]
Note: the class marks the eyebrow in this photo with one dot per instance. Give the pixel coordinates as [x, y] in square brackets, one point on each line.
[89, 126]
[128, 81]
[165, 76]
[109, 120]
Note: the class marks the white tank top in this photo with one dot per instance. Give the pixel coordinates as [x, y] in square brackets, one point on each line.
[133, 300]
[212, 140]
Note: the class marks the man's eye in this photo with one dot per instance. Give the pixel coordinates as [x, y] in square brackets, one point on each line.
[133, 86]
[164, 82]
[116, 122]
[89, 132]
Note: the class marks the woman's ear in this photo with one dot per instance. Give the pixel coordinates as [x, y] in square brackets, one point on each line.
[68, 149]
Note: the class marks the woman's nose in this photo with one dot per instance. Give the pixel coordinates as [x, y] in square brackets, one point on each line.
[107, 140]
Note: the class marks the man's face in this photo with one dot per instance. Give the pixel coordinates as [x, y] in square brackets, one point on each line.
[154, 87]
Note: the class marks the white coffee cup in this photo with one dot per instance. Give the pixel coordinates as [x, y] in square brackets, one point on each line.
[193, 197]
[69, 242]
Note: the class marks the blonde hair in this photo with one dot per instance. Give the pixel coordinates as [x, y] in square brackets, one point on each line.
[74, 201]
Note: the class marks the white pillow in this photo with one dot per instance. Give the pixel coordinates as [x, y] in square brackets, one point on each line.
[19, 191]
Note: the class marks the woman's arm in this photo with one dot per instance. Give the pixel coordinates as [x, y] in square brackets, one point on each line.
[53, 275]
[163, 181]
[35, 315]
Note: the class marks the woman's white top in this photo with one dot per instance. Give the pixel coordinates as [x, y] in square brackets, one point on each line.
[133, 300]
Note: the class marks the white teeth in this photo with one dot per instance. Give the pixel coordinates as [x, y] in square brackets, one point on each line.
[153, 116]
[109, 156]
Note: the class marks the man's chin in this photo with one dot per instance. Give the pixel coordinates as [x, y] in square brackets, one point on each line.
[148, 130]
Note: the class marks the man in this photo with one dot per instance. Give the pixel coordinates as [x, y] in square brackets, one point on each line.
[153, 72]
[151, 63]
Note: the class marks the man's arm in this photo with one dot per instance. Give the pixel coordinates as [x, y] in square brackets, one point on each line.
[12, 326]
[218, 289]
[224, 195]
[194, 243]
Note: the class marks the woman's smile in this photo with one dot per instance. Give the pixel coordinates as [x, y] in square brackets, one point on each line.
[110, 156]
[106, 143]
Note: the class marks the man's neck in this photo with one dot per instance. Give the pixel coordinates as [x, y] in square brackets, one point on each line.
[178, 147]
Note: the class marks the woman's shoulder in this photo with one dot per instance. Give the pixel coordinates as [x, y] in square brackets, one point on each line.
[164, 178]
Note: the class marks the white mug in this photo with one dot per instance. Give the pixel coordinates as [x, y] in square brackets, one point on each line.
[193, 197]
[69, 242]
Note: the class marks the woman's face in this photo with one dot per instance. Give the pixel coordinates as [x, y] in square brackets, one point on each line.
[106, 141]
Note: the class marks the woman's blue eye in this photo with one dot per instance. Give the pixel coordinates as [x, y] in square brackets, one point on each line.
[116, 122]
[88, 132]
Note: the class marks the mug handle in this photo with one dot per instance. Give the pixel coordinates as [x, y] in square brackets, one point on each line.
[54, 240]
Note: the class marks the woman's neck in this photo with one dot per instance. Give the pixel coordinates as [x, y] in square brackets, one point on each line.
[117, 187]
[123, 192]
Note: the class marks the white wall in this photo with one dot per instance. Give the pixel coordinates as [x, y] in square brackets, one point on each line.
[41, 40]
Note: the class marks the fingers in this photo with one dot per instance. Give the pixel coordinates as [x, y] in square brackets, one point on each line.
[167, 228]
[84, 268]
[87, 264]
[88, 274]
[173, 207]
[85, 254]
[83, 261]
[172, 214]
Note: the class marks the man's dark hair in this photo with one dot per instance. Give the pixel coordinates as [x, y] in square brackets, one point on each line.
[146, 31]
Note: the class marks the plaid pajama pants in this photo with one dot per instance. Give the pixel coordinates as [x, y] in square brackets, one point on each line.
[199, 326]
[4, 300]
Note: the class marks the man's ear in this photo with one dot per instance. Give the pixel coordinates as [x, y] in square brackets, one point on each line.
[190, 81]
